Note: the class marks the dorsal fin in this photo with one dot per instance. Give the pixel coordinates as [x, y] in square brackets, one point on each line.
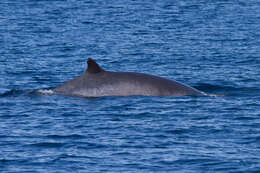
[93, 67]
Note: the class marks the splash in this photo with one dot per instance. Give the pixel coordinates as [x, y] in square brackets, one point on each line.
[45, 91]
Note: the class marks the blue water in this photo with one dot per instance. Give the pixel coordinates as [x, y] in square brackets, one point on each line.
[210, 45]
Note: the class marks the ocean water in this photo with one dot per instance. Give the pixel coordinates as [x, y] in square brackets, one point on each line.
[210, 45]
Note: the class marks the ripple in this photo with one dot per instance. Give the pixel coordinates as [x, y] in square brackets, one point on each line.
[48, 145]
[73, 136]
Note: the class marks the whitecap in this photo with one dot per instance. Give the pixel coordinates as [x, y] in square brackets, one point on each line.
[45, 91]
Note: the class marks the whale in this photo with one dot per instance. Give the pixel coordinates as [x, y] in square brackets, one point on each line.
[97, 82]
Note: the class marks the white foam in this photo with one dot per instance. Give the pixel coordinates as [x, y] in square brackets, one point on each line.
[215, 95]
[45, 91]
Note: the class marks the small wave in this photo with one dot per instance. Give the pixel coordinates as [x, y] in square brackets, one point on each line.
[72, 136]
[211, 88]
[11, 92]
[48, 144]
[217, 90]
[16, 92]
[25, 92]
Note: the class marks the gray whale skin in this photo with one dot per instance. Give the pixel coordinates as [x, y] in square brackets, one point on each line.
[96, 82]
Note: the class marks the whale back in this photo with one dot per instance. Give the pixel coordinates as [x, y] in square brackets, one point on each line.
[96, 82]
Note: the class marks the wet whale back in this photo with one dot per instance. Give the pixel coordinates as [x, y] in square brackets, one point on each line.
[145, 84]
[96, 82]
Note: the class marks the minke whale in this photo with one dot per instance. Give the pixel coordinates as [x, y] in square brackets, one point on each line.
[96, 82]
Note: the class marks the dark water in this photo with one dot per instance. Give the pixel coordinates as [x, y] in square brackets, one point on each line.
[211, 45]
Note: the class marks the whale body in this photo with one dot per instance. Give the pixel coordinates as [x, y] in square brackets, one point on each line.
[96, 82]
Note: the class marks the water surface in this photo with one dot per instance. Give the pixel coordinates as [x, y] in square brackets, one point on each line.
[210, 45]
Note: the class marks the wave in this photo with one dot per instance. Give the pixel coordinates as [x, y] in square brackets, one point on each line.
[15, 92]
[25, 92]
[227, 90]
